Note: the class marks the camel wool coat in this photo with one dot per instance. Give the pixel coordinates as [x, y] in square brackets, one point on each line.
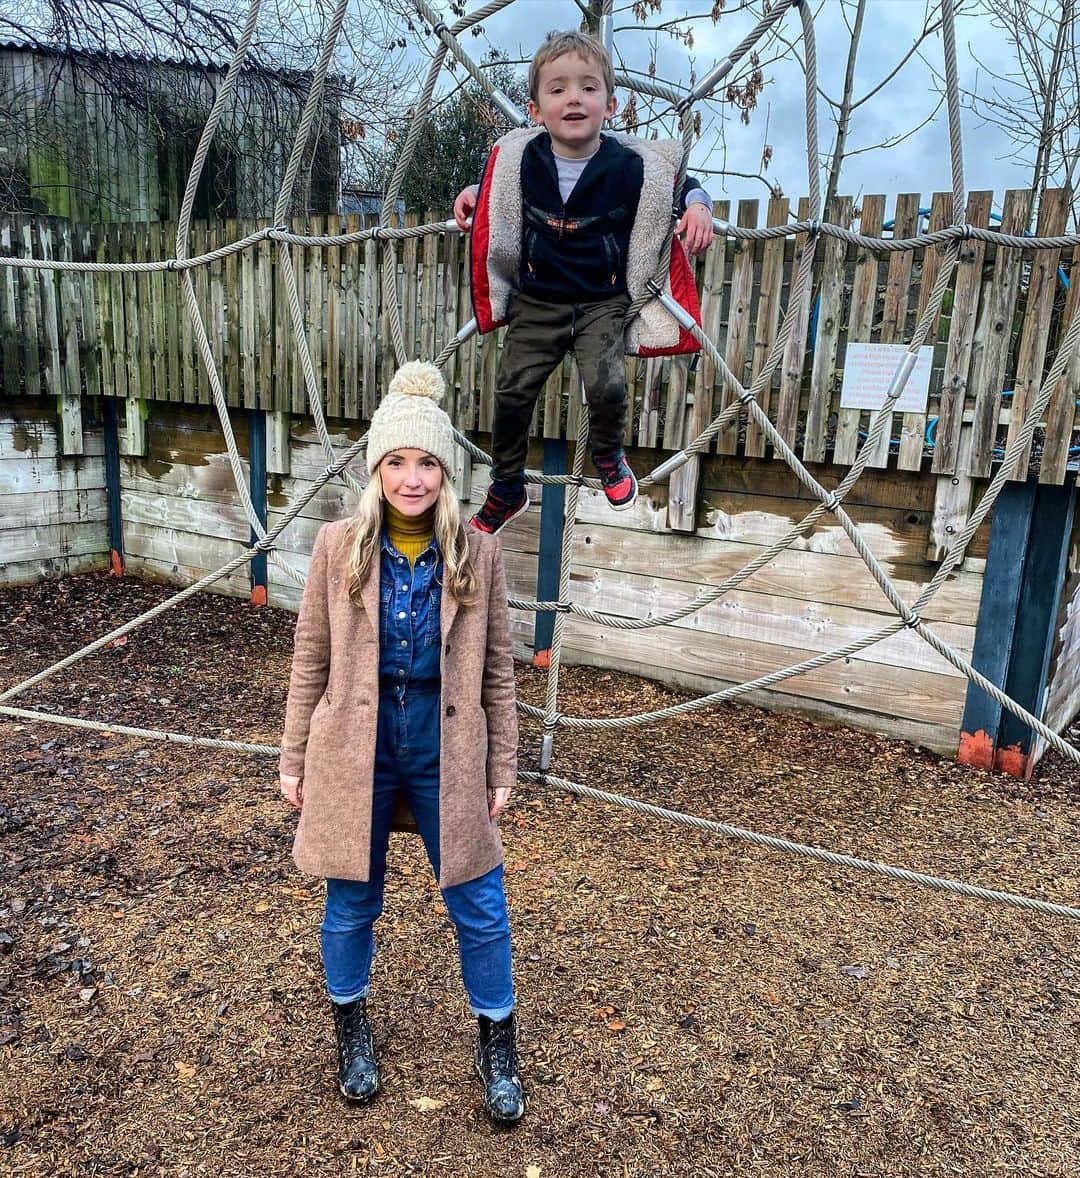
[332, 712]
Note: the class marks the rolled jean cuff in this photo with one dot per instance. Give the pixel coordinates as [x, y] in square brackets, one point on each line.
[496, 1015]
[338, 1000]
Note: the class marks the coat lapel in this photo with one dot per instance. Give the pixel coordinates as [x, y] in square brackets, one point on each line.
[448, 611]
[369, 592]
[449, 606]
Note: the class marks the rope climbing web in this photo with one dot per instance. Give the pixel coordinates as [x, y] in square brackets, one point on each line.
[740, 399]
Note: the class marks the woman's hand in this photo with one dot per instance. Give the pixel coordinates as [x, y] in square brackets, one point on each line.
[697, 226]
[497, 799]
[292, 789]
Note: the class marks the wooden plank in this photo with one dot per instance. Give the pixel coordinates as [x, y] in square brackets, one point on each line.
[387, 356]
[352, 337]
[31, 314]
[189, 376]
[454, 313]
[409, 287]
[278, 425]
[712, 292]
[334, 323]
[787, 409]
[736, 351]
[489, 363]
[993, 337]
[299, 271]
[683, 483]
[248, 333]
[963, 318]
[649, 426]
[894, 314]
[115, 367]
[48, 508]
[185, 516]
[50, 541]
[103, 312]
[10, 323]
[19, 476]
[1038, 312]
[156, 315]
[428, 294]
[264, 284]
[132, 341]
[372, 320]
[316, 295]
[1061, 411]
[213, 307]
[175, 314]
[940, 213]
[86, 313]
[861, 318]
[827, 341]
[202, 298]
[229, 324]
[767, 318]
[50, 314]
[149, 373]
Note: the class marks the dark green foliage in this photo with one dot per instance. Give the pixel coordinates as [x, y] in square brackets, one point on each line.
[455, 141]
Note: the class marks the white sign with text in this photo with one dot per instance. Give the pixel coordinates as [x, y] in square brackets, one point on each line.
[869, 369]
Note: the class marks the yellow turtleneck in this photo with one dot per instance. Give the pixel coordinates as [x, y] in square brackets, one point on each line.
[409, 534]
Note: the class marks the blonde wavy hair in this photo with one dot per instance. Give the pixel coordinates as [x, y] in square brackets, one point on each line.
[459, 576]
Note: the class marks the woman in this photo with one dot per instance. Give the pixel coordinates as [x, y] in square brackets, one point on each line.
[403, 684]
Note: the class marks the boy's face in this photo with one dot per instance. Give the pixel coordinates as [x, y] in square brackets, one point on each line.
[572, 103]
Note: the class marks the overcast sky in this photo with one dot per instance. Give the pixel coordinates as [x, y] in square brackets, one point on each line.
[919, 164]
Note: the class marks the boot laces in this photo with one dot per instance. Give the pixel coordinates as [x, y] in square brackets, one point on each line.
[355, 1039]
[502, 1056]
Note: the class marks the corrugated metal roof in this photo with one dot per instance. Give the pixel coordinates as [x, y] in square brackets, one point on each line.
[207, 63]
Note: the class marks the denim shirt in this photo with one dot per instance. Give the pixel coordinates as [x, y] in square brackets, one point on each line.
[410, 602]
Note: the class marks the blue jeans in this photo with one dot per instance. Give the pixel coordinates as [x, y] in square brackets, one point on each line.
[407, 759]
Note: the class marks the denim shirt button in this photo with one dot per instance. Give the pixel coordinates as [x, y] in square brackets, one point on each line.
[450, 709]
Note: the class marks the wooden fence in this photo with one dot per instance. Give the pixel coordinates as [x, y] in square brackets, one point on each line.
[129, 336]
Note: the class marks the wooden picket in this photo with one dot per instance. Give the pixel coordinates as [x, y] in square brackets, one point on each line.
[129, 335]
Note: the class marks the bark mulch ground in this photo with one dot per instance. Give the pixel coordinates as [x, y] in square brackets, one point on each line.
[689, 1005]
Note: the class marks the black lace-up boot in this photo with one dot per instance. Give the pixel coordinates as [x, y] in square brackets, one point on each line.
[497, 1066]
[358, 1073]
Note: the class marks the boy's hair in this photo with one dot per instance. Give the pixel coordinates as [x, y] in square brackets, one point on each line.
[558, 45]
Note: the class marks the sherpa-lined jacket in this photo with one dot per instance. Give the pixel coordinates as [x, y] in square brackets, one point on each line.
[604, 240]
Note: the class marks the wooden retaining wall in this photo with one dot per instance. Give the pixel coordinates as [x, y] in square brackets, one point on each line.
[52, 505]
[182, 519]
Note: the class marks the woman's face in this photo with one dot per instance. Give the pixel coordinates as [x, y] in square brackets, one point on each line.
[411, 480]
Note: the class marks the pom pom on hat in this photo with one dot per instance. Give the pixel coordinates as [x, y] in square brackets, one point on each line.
[417, 379]
[409, 417]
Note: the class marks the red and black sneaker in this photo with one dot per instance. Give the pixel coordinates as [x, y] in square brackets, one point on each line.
[617, 479]
[504, 503]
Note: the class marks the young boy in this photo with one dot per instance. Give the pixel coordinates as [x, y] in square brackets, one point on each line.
[577, 222]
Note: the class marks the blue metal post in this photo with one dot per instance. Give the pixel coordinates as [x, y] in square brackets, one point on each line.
[1036, 623]
[996, 624]
[552, 517]
[112, 487]
[257, 477]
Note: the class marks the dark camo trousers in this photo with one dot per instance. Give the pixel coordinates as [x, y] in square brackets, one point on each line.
[538, 336]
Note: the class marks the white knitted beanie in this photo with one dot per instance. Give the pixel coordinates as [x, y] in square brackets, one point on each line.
[409, 417]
